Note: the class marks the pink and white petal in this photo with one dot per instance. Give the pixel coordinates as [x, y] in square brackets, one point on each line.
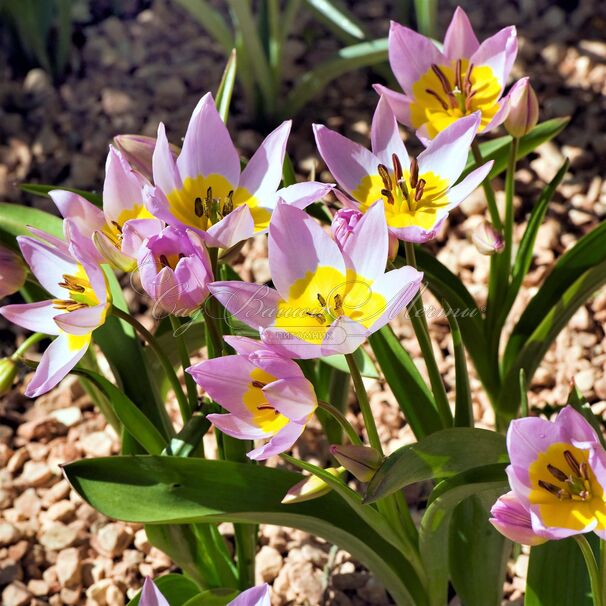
[97, 280]
[274, 364]
[58, 359]
[498, 52]
[301, 195]
[254, 304]
[193, 279]
[460, 41]
[122, 188]
[512, 519]
[48, 264]
[244, 345]
[237, 226]
[528, 437]
[411, 55]
[398, 287]
[461, 190]
[348, 162]
[298, 245]
[55, 243]
[151, 596]
[263, 173]
[446, 155]
[236, 427]
[86, 216]
[385, 136]
[346, 201]
[225, 380]
[399, 103]
[417, 234]
[82, 321]
[37, 317]
[158, 205]
[294, 398]
[207, 147]
[81, 245]
[577, 429]
[255, 596]
[366, 248]
[556, 533]
[500, 116]
[166, 173]
[136, 231]
[281, 442]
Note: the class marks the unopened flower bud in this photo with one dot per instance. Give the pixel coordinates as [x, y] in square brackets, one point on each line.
[343, 225]
[138, 150]
[112, 254]
[523, 109]
[12, 272]
[487, 239]
[361, 461]
[311, 487]
[394, 245]
[8, 372]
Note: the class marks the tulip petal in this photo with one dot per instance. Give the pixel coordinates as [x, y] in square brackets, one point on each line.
[348, 162]
[385, 136]
[243, 345]
[459, 192]
[399, 103]
[512, 519]
[235, 227]
[293, 397]
[58, 359]
[417, 234]
[298, 245]
[166, 174]
[135, 231]
[37, 317]
[151, 596]
[207, 147]
[282, 441]
[498, 52]
[85, 215]
[410, 55]
[301, 195]
[255, 596]
[82, 321]
[446, 155]
[263, 173]
[81, 245]
[460, 41]
[236, 427]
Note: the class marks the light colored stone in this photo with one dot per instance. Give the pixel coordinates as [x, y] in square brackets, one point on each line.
[69, 567]
[269, 562]
[9, 534]
[63, 511]
[16, 594]
[112, 539]
[35, 473]
[58, 536]
[72, 415]
[96, 444]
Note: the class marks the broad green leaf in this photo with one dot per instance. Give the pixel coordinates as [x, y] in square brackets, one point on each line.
[363, 360]
[478, 553]
[488, 482]
[406, 383]
[173, 490]
[42, 190]
[14, 219]
[213, 597]
[557, 574]
[176, 588]
[498, 149]
[345, 60]
[211, 20]
[226, 86]
[338, 19]
[442, 454]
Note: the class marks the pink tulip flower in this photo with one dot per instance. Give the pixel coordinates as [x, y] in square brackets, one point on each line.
[255, 596]
[151, 595]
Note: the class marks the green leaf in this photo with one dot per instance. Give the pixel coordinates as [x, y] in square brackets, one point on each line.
[176, 588]
[42, 190]
[426, 12]
[213, 597]
[338, 19]
[363, 360]
[15, 218]
[173, 490]
[478, 553]
[557, 574]
[498, 149]
[345, 60]
[226, 86]
[439, 455]
[406, 383]
[188, 440]
[211, 20]
[488, 482]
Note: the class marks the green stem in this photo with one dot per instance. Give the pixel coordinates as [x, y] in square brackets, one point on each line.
[190, 384]
[419, 323]
[29, 342]
[164, 361]
[342, 420]
[603, 569]
[592, 569]
[509, 193]
[488, 190]
[369, 421]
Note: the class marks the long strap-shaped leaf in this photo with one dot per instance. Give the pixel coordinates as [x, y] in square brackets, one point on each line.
[211, 20]
[172, 490]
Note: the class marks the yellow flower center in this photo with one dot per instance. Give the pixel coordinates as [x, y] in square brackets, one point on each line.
[79, 290]
[203, 201]
[565, 489]
[264, 415]
[320, 297]
[410, 198]
[113, 229]
[445, 93]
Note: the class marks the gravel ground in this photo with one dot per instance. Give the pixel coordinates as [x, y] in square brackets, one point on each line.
[152, 64]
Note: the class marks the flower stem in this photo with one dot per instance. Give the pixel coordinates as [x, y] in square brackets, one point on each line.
[342, 420]
[603, 569]
[509, 193]
[488, 190]
[419, 323]
[190, 384]
[164, 361]
[29, 342]
[369, 421]
[592, 569]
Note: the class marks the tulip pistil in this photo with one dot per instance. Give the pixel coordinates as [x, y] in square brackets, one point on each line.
[212, 209]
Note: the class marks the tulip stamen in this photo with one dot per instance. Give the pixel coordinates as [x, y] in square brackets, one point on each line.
[164, 261]
[318, 316]
[577, 485]
[68, 304]
[259, 384]
[338, 303]
[433, 93]
[445, 85]
[321, 300]
[198, 207]
[384, 174]
[414, 173]
[419, 190]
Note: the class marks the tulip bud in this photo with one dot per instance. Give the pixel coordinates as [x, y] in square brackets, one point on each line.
[523, 109]
[310, 488]
[12, 272]
[343, 225]
[113, 255]
[361, 461]
[487, 239]
[8, 372]
[394, 246]
[138, 150]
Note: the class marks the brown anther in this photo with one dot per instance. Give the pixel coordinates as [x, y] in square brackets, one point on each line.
[388, 195]
[458, 78]
[552, 488]
[181, 256]
[445, 84]
[321, 300]
[384, 173]
[229, 203]
[436, 96]
[404, 189]
[397, 167]
[468, 99]
[414, 172]
[71, 283]
[265, 407]
[467, 85]
[318, 316]
[338, 303]
[558, 474]
[584, 468]
[198, 207]
[164, 261]
[117, 226]
[419, 190]
[572, 462]
[259, 384]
